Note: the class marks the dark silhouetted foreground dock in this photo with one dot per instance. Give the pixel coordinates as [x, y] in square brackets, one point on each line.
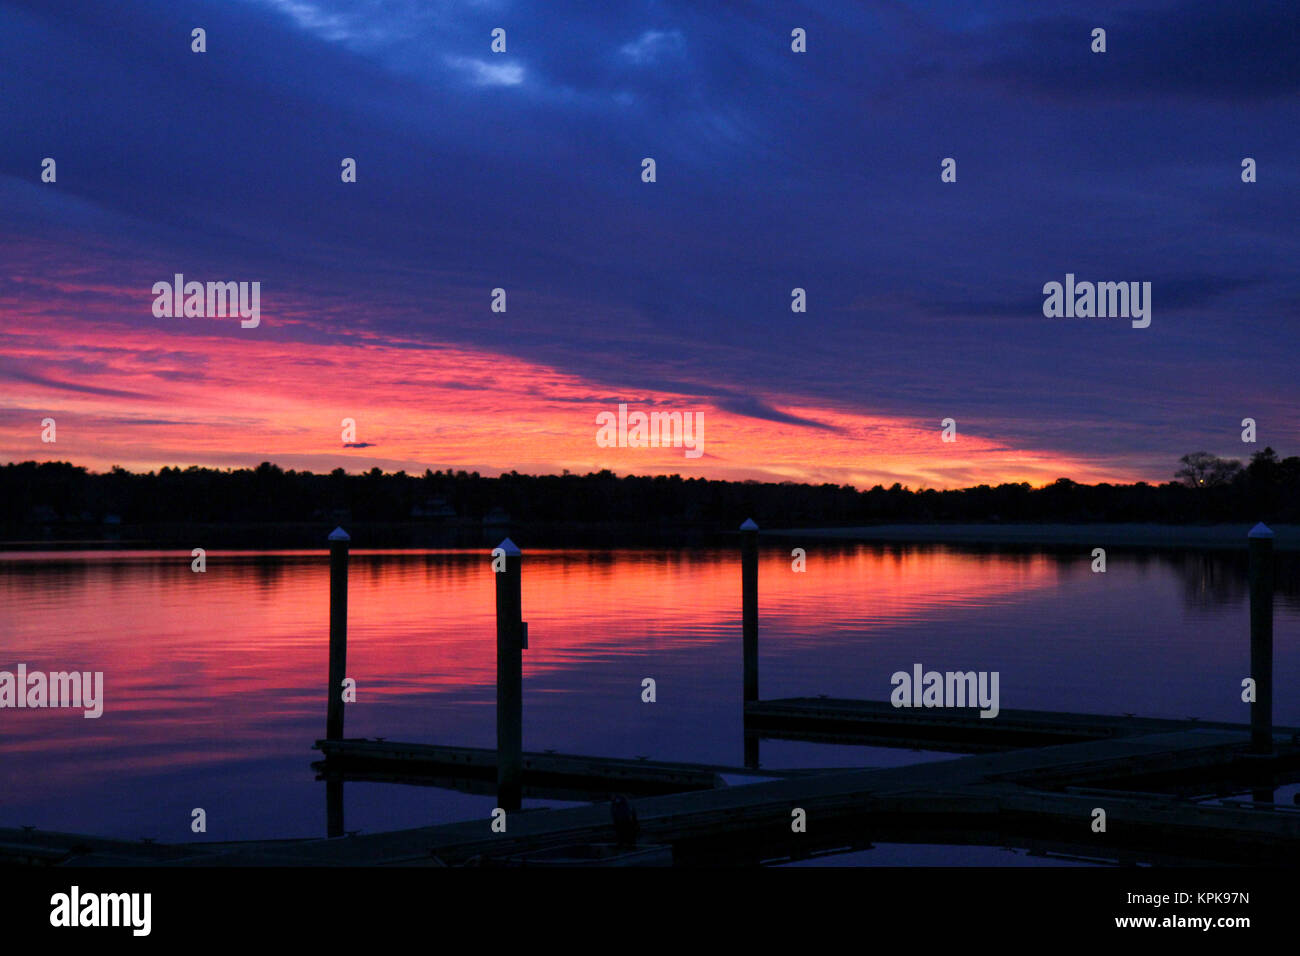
[353, 758]
[1020, 797]
[879, 723]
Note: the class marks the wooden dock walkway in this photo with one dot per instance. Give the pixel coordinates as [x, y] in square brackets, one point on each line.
[1021, 795]
[998, 793]
[560, 776]
[994, 792]
[838, 720]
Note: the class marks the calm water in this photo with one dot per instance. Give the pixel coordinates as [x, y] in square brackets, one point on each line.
[214, 681]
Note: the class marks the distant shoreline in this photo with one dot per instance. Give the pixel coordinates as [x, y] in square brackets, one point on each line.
[1119, 535]
[610, 535]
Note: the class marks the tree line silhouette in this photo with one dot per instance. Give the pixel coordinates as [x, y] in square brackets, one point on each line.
[1205, 489]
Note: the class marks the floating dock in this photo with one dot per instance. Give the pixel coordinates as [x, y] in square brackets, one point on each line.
[408, 762]
[955, 730]
[1023, 797]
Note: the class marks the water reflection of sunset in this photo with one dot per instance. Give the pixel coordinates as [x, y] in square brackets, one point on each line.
[218, 677]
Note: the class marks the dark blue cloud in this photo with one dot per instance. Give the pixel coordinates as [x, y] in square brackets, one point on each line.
[1232, 52]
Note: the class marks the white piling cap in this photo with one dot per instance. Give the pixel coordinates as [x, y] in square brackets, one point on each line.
[1260, 530]
[749, 525]
[510, 548]
[338, 534]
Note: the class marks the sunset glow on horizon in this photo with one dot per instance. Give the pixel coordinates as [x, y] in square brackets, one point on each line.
[197, 392]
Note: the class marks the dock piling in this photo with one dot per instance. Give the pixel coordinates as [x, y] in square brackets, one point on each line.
[338, 540]
[334, 808]
[510, 667]
[1261, 637]
[749, 604]
[749, 614]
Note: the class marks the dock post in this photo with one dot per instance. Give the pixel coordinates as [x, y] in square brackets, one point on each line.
[338, 633]
[751, 749]
[1261, 638]
[510, 674]
[334, 807]
[749, 604]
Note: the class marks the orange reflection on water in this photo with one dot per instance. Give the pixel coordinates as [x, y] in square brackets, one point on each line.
[196, 656]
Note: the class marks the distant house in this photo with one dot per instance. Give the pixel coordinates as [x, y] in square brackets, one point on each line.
[435, 507]
[42, 514]
[497, 516]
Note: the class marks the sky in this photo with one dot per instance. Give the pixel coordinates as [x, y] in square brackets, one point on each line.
[775, 170]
